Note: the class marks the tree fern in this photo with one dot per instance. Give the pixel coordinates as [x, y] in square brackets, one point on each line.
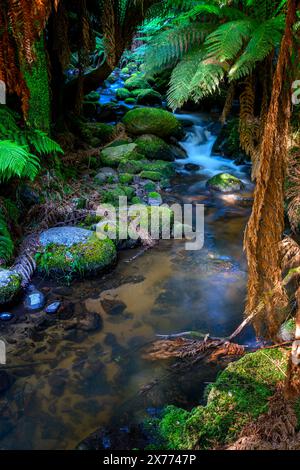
[264, 39]
[226, 42]
[168, 47]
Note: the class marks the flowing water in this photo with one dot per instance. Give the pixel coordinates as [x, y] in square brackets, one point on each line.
[84, 380]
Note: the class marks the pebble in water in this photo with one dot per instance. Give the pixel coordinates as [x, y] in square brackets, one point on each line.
[5, 316]
[52, 309]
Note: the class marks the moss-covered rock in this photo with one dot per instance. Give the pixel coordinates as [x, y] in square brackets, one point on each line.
[166, 169]
[122, 94]
[96, 130]
[74, 253]
[154, 148]
[150, 187]
[151, 175]
[132, 167]
[151, 121]
[112, 156]
[149, 97]
[136, 82]
[225, 183]
[111, 196]
[130, 101]
[240, 394]
[154, 198]
[92, 96]
[10, 286]
[126, 178]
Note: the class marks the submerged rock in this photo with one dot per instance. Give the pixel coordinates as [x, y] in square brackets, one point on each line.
[225, 183]
[151, 121]
[10, 285]
[35, 300]
[52, 308]
[192, 167]
[6, 316]
[73, 251]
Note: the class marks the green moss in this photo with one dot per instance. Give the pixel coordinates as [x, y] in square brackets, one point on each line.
[151, 175]
[122, 94]
[132, 167]
[83, 258]
[136, 200]
[91, 132]
[239, 395]
[136, 82]
[126, 178]
[165, 168]
[150, 187]
[10, 288]
[93, 96]
[151, 121]
[112, 196]
[224, 182]
[154, 195]
[113, 156]
[130, 101]
[125, 70]
[37, 81]
[154, 148]
[149, 97]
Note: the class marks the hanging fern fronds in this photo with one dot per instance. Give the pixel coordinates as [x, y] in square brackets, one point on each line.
[226, 42]
[168, 47]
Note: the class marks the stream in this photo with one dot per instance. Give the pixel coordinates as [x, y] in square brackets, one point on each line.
[71, 382]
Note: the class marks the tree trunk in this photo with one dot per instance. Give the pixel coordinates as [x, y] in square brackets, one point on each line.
[266, 224]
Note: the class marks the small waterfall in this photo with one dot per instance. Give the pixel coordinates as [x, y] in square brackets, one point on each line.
[198, 144]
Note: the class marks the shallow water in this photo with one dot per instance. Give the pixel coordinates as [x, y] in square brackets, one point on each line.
[88, 380]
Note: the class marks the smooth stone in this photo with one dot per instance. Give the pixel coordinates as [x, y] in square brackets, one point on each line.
[6, 316]
[191, 167]
[66, 236]
[53, 307]
[34, 301]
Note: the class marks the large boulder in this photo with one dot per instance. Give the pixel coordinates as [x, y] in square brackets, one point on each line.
[10, 285]
[136, 82]
[73, 252]
[225, 183]
[151, 121]
[122, 94]
[149, 97]
[113, 156]
[154, 148]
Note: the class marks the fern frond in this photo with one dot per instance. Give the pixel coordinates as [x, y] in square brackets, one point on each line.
[6, 242]
[267, 36]
[226, 42]
[181, 78]
[170, 46]
[15, 160]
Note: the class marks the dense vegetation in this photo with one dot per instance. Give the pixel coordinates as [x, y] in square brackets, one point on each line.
[240, 55]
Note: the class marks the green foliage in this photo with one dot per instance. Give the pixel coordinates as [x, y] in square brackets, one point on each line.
[6, 242]
[205, 42]
[17, 145]
[239, 395]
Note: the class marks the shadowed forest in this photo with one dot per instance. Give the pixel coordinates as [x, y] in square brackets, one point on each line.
[149, 225]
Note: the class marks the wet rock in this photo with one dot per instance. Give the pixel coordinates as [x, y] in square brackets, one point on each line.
[6, 316]
[192, 167]
[225, 183]
[151, 121]
[106, 174]
[35, 300]
[66, 236]
[113, 306]
[113, 156]
[10, 285]
[154, 148]
[90, 323]
[53, 308]
[149, 97]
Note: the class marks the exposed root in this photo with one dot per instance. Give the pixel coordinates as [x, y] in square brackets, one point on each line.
[182, 348]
